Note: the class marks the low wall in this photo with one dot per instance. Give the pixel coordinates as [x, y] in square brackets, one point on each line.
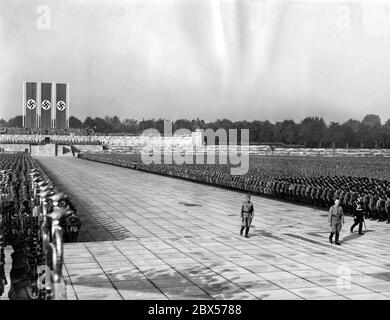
[49, 149]
[45, 150]
[15, 147]
[89, 147]
[66, 150]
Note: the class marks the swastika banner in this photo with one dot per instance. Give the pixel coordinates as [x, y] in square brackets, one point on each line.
[31, 105]
[46, 105]
[61, 105]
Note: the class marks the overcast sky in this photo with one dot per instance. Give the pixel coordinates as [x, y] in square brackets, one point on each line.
[171, 59]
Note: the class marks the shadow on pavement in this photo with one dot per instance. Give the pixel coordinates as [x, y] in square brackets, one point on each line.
[355, 235]
[95, 225]
[190, 283]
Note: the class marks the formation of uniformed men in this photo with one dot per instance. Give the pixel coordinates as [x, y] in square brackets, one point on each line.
[4, 139]
[40, 140]
[318, 191]
[22, 184]
[45, 131]
[74, 140]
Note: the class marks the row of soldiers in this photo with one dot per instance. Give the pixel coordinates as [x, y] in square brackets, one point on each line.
[318, 191]
[22, 222]
[74, 140]
[38, 140]
[322, 192]
[21, 140]
[45, 131]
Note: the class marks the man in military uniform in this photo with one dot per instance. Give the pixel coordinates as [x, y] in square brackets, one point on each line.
[358, 214]
[318, 197]
[73, 225]
[366, 200]
[336, 221]
[247, 212]
[387, 208]
[345, 200]
[308, 195]
[323, 197]
[381, 207]
[341, 197]
[372, 207]
[20, 275]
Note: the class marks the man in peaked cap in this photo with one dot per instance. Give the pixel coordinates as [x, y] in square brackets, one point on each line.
[358, 214]
[247, 212]
[336, 221]
[73, 225]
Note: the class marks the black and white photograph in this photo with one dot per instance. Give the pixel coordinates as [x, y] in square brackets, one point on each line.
[199, 150]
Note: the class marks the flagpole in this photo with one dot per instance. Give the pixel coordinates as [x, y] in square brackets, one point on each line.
[53, 104]
[67, 104]
[38, 110]
[24, 104]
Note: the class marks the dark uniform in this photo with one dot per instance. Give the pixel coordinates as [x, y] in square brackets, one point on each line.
[73, 225]
[387, 208]
[247, 213]
[358, 215]
[381, 203]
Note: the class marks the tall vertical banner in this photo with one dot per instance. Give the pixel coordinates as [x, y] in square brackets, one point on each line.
[61, 106]
[46, 105]
[30, 107]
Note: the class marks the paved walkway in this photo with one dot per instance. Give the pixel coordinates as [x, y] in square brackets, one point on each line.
[147, 236]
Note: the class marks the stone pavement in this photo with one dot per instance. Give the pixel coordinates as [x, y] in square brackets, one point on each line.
[146, 236]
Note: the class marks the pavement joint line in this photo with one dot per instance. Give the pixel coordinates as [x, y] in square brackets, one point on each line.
[141, 272]
[284, 252]
[175, 268]
[249, 271]
[65, 188]
[104, 272]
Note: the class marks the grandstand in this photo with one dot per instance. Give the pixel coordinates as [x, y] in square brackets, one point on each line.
[178, 143]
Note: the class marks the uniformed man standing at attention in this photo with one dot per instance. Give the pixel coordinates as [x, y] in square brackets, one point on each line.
[387, 208]
[336, 221]
[247, 213]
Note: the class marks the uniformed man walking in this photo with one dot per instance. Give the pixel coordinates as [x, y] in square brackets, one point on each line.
[247, 213]
[358, 214]
[336, 221]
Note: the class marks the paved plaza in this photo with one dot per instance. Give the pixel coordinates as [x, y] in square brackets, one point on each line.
[146, 236]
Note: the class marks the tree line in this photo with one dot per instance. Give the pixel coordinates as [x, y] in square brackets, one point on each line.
[311, 132]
